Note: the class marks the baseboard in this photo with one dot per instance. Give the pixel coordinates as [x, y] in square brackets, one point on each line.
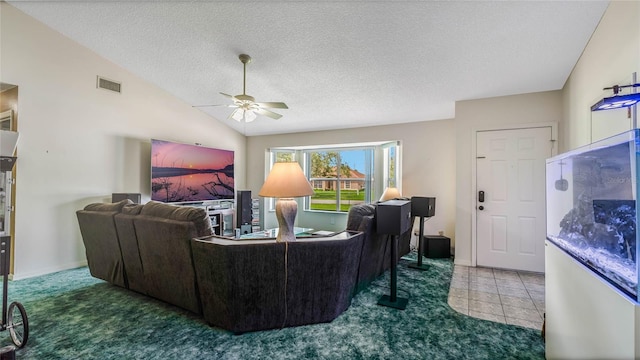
[462, 262]
[50, 270]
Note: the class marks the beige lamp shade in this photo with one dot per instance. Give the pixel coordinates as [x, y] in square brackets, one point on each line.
[286, 180]
[390, 193]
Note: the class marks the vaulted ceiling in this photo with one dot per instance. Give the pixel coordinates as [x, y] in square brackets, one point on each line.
[336, 64]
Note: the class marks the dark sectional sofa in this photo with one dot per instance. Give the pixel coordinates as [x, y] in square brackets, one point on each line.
[168, 252]
[145, 248]
[247, 287]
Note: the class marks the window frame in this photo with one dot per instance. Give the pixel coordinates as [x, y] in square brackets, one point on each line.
[273, 158]
[380, 175]
[368, 179]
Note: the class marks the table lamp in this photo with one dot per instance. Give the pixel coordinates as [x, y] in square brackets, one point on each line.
[390, 193]
[286, 181]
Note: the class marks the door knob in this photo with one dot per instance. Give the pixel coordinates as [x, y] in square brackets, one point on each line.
[480, 207]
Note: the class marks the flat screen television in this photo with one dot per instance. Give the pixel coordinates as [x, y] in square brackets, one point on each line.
[183, 173]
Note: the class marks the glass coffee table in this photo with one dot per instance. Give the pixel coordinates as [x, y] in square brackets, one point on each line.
[272, 233]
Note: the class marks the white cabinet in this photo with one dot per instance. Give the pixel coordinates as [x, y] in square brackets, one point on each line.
[586, 317]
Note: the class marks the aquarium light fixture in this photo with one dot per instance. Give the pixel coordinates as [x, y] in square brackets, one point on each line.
[617, 101]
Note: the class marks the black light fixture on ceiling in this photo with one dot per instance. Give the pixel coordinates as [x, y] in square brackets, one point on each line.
[617, 101]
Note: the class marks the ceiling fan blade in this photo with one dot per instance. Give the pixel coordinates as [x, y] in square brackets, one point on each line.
[227, 95]
[268, 113]
[273, 105]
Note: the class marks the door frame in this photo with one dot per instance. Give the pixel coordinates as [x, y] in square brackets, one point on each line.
[474, 133]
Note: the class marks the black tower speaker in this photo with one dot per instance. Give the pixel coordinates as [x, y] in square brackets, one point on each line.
[393, 217]
[135, 197]
[243, 208]
[423, 206]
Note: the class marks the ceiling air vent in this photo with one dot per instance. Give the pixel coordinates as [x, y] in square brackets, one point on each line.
[108, 85]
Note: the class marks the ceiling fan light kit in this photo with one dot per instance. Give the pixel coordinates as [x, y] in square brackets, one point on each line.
[240, 114]
[246, 107]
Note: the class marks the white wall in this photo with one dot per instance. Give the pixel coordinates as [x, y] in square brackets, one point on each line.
[611, 56]
[78, 144]
[586, 317]
[490, 114]
[428, 166]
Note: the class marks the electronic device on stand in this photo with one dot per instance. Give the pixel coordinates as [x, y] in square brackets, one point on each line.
[393, 217]
[422, 207]
[244, 210]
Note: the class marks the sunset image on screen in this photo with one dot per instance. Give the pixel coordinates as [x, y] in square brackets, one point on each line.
[190, 173]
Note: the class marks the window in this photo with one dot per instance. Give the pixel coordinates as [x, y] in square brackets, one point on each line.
[391, 165]
[339, 171]
[343, 175]
[282, 156]
[279, 155]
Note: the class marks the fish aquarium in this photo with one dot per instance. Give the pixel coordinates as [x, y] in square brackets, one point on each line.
[592, 197]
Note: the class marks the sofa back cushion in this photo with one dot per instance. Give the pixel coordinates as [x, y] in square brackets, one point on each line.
[129, 245]
[197, 216]
[132, 209]
[117, 207]
[101, 242]
[356, 215]
[164, 248]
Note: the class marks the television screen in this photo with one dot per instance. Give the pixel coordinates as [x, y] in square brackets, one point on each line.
[190, 173]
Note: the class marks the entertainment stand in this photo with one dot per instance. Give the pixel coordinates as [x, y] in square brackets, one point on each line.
[221, 213]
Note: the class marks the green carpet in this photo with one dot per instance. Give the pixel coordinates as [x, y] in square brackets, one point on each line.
[74, 316]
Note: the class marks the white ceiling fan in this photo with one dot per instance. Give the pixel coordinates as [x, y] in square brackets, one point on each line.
[246, 105]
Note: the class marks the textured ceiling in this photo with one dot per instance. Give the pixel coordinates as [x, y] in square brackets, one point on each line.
[336, 64]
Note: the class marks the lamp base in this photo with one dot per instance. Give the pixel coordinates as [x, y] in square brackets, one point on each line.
[286, 210]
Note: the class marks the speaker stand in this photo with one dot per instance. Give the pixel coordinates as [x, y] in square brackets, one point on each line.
[418, 265]
[392, 300]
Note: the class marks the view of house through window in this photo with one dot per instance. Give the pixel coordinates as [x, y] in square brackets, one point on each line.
[340, 178]
[343, 175]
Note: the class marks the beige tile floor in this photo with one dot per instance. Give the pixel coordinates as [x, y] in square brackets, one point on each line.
[504, 296]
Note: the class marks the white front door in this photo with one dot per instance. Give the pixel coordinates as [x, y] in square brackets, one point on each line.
[510, 197]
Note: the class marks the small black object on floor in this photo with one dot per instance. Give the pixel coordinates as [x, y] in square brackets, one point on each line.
[436, 246]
